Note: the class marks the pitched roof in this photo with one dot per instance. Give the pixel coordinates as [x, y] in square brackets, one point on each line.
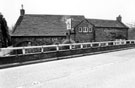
[106, 23]
[44, 25]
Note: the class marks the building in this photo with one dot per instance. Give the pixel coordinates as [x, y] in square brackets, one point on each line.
[98, 30]
[33, 29]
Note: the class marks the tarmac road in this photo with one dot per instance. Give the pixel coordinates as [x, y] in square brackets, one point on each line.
[108, 70]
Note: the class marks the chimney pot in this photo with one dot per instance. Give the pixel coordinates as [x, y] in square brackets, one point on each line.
[119, 18]
[22, 11]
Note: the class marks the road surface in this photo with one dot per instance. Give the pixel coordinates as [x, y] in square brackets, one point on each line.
[108, 70]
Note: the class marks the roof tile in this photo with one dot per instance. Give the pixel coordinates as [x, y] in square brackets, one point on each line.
[44, 25]
[106, 23]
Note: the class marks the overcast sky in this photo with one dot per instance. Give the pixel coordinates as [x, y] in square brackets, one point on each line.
[99, 9]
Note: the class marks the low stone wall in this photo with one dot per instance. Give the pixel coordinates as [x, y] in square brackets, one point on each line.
[61, 54]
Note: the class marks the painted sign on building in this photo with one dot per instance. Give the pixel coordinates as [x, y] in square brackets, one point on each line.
[68, 23]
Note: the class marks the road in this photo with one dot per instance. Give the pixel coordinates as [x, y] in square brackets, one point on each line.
[108, 70]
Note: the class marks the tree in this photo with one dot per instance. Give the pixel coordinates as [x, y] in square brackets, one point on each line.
[6, 41]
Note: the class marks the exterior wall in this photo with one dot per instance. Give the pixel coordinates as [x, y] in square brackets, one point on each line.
[84, 36]
[24, 41]
[101, 34]
[110, 34]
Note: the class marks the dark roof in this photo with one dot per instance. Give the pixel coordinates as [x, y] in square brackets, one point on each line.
[44, 25]
[106, 23]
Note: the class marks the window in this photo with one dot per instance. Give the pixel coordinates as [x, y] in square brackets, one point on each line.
[90, 29]
[85, 29]
[80, 29]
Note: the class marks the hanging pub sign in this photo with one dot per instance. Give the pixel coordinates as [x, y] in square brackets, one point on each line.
[68, 23]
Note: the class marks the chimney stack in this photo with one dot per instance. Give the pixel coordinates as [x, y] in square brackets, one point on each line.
[22, 11]
[119, 18]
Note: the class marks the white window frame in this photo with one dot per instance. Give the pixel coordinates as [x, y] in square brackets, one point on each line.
[90, 29]
[80, 29]
[85, 29]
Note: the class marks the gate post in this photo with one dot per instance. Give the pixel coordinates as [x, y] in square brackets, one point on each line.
[23, 50]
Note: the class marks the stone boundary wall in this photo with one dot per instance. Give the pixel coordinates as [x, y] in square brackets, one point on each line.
[60, 54]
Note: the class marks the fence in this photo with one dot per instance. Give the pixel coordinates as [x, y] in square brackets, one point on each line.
[22, 55]
[15, 51]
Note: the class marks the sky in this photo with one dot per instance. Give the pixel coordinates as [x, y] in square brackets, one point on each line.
[98, 9]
